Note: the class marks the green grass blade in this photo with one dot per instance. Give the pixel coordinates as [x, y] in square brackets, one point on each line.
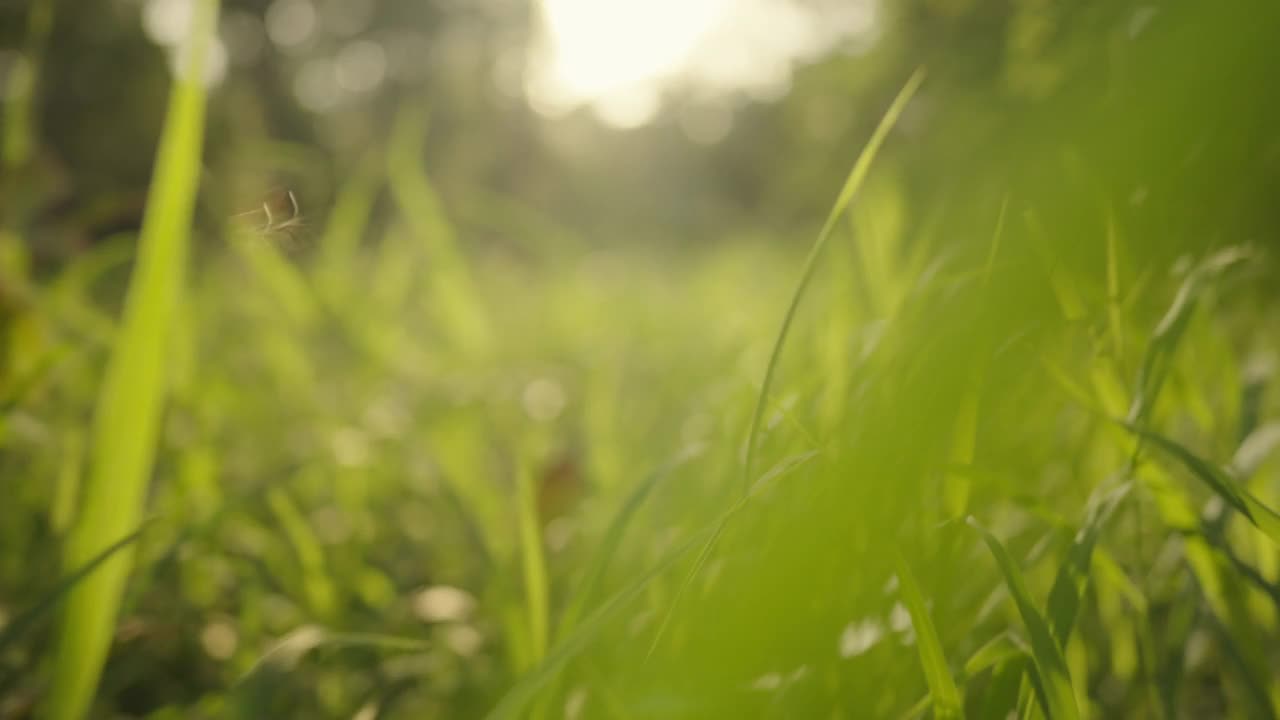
[533, 563]
[25, 621]
[857, 175]
[704, 554]
[942, 687]
[452, 287]
[513, 702]
[257, 693]
[996, 651]
[612, 539]
[1073, 577]
[1001, 696]
[18, 143]
[127, 417]
[1258, 513]
[1057, 696]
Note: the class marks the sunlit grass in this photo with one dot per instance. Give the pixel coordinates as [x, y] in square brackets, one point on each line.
[962, 478]
[127, 416]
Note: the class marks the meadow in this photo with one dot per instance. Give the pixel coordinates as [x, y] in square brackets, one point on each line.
[915, 466]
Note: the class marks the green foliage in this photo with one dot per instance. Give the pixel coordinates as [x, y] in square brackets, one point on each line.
[421, 463]
[942, 689]
[127, 416]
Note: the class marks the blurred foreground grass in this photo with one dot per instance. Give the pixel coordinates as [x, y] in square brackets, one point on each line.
[988, 473]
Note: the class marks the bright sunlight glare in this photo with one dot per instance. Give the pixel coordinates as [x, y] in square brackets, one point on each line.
[618, 56]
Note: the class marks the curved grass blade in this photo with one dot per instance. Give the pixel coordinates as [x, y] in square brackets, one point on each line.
[857, 175]
[533, 564]
[942, 687]
[1073, 577]
[126, 421]
[1055, 692]
[704, 554]
[26, 620]
[600, 564]
[1240, 499]
[513, 702]
[1168, 332]
[994, 653]
[1001, 696]
[256, 694]
[612, 539]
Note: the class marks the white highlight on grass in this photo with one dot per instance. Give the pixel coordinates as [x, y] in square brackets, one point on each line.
[620, 56]
[859, 637]
[219, 639]
[443, 603]
[463, 640]
[351, 447]
[574, 703]
[544, 399]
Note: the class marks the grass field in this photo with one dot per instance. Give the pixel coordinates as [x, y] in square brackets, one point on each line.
[906, 475]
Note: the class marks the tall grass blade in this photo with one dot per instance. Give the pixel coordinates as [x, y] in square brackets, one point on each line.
[256, 694]
[513, 702]
[1055, 691]
[127, 417]
[1073, 577]
[26, 621]
[1168, 332]
[857, 175]
[609, 546]
[453, 290]
[18, 142]
[1240, 499]
[942, 687]
[704, 554]
[534, 564]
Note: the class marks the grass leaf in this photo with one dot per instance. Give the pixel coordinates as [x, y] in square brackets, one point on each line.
[26, 621]
[126, 422]
[1262, 516]
[1055, 692]
[857, 175]
[942, 687]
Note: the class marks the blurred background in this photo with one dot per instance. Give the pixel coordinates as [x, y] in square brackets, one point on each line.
[616, 122]
[467, 272]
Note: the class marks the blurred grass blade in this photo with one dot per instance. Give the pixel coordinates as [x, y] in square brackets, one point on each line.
[857, 175]
[609, 546]
[349, 218]
[704, 554]
[18, 143]
[1073, 577]
[533, 563]
[256, 694]
[26, 620]
[127, 416]
[995, 653]
[999, 649]
[513, 702]
[1257, 446]
[1056, 694]
[454, 294]
[942, 687]
[1168, 332]
[1002, 691]
[1262, 516]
